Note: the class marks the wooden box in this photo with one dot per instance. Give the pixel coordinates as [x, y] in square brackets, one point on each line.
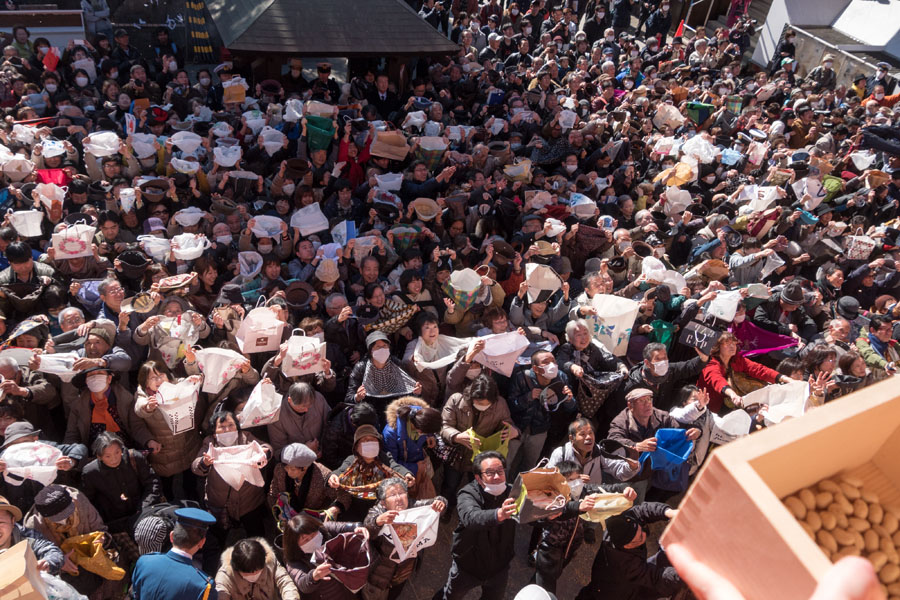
[732, 517]
[20, 578]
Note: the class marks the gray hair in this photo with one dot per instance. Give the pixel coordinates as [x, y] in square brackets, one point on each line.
[573, 326]
[67, 310]
[332, 298]
[387, 484]
[7, 361]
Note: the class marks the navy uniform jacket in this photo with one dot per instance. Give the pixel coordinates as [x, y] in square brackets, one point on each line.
[170, 576]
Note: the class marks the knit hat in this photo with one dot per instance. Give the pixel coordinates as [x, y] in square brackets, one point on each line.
[621, 530]
[365, 431]
[297, 455]
[327, 271]
[792, 294]
[374, 337]
[54, 503]
[103, 334]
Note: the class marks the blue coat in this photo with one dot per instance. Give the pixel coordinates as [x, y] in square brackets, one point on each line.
[171, 576]
[403, 448]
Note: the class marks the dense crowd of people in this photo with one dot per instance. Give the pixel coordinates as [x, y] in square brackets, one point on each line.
[248, 324]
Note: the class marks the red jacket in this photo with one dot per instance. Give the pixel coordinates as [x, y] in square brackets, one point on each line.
[714, 377]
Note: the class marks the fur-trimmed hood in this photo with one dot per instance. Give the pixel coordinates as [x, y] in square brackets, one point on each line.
[393, 407]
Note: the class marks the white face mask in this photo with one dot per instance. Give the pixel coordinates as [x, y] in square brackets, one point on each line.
[81, 81]
[97, 383]
[319, 336]
[723, 91]
[481, 407]
[227, 438]
[828, 64]
[265, 248]
[575, 486]
[205, 81]
[252, 578]
[473, 373]
[224, 239]
[173, 66]
[634, 52]
[494, 489]
[51, 87]
[381, 356]
[571, 168]
[369, 449]
[610, 38]
[879, 74]
[879, 96]
[660, 367]
[628, 85]
[751, 86]
[659, 252]
[550, 370]
[288, 188]
[313, 544]
[514, 11]
[526, 31]
[710, 179]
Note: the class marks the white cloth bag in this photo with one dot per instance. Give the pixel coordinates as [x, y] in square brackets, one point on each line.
[309, 219]
[390, 182]
[724, 305]
[501, 351]
[732, 426]
[262, 406]
[219, 366]
[260, 331]
[73, 241]
[30, 460]
[611, 326]
[237, 464]
[178, 403]
[266, 226]
[425, 519]
[60, 364]
[304, 355]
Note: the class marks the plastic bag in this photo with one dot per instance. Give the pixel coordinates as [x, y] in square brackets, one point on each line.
[189, 246]
[219, 366]
[102, 143]
[700, 149]
[177, 402]
[73, 241]
[239, 464]
[262, 407]
[57, 589]
[501, 351]
[273, 140]
[30, 460]
[187, 141]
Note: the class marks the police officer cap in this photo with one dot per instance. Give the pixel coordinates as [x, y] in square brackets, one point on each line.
[194, 517]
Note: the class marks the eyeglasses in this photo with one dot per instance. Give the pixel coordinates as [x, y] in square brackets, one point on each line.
[160, 212]
[492, 473]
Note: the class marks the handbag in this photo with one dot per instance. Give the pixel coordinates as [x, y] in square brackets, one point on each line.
[304, 355]
[858, 247]
[539, 493]
[349, 557]
[593, 391]
[263, 406]
[700, 336]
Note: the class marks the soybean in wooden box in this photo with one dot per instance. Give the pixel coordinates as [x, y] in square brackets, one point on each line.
[732, 516]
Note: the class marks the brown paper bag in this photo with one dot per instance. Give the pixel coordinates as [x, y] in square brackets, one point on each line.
[389, 144]
[234, 93]
[20, 578]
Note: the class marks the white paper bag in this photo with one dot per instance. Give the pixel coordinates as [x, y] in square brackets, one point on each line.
[237, 464]
[611, 326]
[304, 356]
[501, 351]
[262, 406]
[785, 400]
[260, 331]
[219, 366]
[177, 402]
[73, 241]
[48, 192]
[732, 426]
[27, 223]
[412, 530]
[30, 460]
[541, 278]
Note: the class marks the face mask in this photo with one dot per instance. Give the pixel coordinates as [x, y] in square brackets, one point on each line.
[791, 39]
[97, 383]
[526, 31]
[659, 252]
[495, 489]
[550, 370]
[313, 544]
[481, 407]
[610, 38]
[288, 188]
[43, 50]
[514, 11]
[740, 318]
[571, 168]
[265, 248]
[515, 146]
[601, 14]
[51, 87]
[173, 66]
[81, 81]
[205, 81]
[879, 96]
[575, 486]
[475, 25]
[751, 86]
[252, 578]
[660, 367]
[227, 438]
[710, 179]
[704, 84]
[224, 239]
[319, 336]
[369, 449]
[382, 355]
[473, 373]
[879, 74]
[665, 7]
[828, 64]
[628, 85]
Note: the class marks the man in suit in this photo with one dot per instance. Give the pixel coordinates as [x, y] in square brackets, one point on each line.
[173, 575]
[383, 99]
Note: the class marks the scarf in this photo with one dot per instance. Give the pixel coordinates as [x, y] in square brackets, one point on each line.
[102, 413]
[362, 478]
[390, 380]
[877, 345]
